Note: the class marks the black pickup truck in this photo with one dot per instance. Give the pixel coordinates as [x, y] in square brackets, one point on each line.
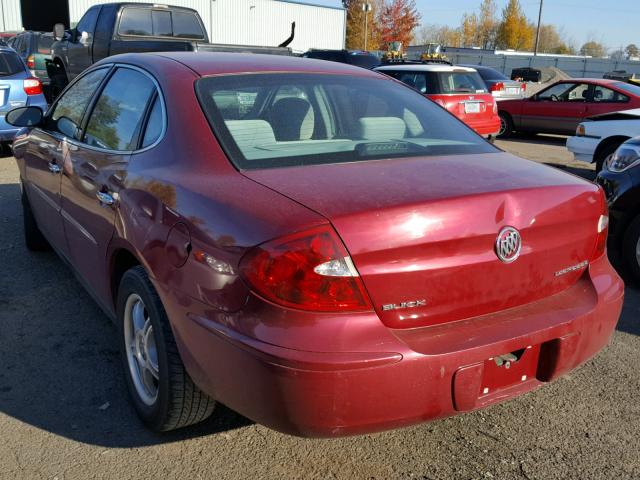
[113, 28]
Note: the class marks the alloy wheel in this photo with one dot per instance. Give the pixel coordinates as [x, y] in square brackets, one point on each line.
[142, 354]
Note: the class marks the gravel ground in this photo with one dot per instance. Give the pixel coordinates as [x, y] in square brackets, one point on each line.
[64, 411]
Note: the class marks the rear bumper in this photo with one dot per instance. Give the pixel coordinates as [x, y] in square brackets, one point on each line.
[583, 148]
[419, 375]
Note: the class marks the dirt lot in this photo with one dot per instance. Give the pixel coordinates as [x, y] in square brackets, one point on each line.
[64, 411]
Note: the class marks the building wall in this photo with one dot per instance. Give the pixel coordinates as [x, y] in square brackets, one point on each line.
[10, 15]
[268, 22]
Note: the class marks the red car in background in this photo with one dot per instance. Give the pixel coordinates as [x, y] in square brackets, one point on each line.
[460, 90]
[562, 106]
[310, 243]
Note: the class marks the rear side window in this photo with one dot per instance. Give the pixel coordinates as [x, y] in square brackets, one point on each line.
[68, 112]
[117, 118]
[154, 124]
[10, 64]
[136, 21]
[186, 25]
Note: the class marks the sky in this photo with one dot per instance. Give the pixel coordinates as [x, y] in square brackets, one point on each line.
[613, 23]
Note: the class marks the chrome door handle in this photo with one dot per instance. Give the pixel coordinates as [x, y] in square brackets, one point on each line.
[105, 198]
[54, 167]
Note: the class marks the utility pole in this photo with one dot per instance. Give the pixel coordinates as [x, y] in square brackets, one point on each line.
[366, 8]
[535, 52]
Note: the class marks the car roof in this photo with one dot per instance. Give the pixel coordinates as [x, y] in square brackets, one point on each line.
[421, 67]
[219, 63]
[601, 81]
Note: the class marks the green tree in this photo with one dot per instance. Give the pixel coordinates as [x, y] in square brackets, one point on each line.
[593, 49]
[515, 31]
[469, 30]
[487, 24]
[552, 41]
[356, 25]
[632, 50]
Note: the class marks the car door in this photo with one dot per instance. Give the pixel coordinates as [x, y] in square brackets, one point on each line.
[557, 109]
[96, 168]
[46, 151]
[80, 51]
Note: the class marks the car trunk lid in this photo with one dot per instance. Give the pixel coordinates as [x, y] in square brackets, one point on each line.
[422, 231]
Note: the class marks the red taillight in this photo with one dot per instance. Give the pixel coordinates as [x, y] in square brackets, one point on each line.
[497, 87]
[32, 86]
[524, 87]
[311, 270]
[31, 62]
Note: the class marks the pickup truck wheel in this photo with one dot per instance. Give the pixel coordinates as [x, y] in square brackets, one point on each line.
[631, 249]
[33, 237]
[506, 125]
[58, 83]
[163, 394]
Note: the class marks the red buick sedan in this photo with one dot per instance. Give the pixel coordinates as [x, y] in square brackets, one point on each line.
[560, 107]
[312, 244]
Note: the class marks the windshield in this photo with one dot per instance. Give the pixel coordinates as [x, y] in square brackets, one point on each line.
[10, 64]
[278, 120]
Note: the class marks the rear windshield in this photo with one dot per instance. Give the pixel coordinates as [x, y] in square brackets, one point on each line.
[460, 82]
[491, 74]
[365, 61]
[280, 120]
[434, 83]
[160, 23]
[10, 64]
[44, 44]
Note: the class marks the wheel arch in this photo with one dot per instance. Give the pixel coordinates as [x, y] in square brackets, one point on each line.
[121, 260]
[606, 143]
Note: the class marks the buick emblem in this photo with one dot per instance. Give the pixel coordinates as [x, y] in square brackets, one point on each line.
[508, 244]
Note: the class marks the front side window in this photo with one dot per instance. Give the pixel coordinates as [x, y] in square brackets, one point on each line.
[117, 118]
[278, 120]
[88, 22]
[67, 113]
[565, 92]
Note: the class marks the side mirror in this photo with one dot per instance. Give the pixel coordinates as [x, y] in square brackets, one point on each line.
[58, 31]
[25, 117]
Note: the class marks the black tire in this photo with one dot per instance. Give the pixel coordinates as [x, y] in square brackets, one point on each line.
[58, 83]
[506, 125]
[604, 153]
[33, 237]
[630, 244]
[179, 401]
